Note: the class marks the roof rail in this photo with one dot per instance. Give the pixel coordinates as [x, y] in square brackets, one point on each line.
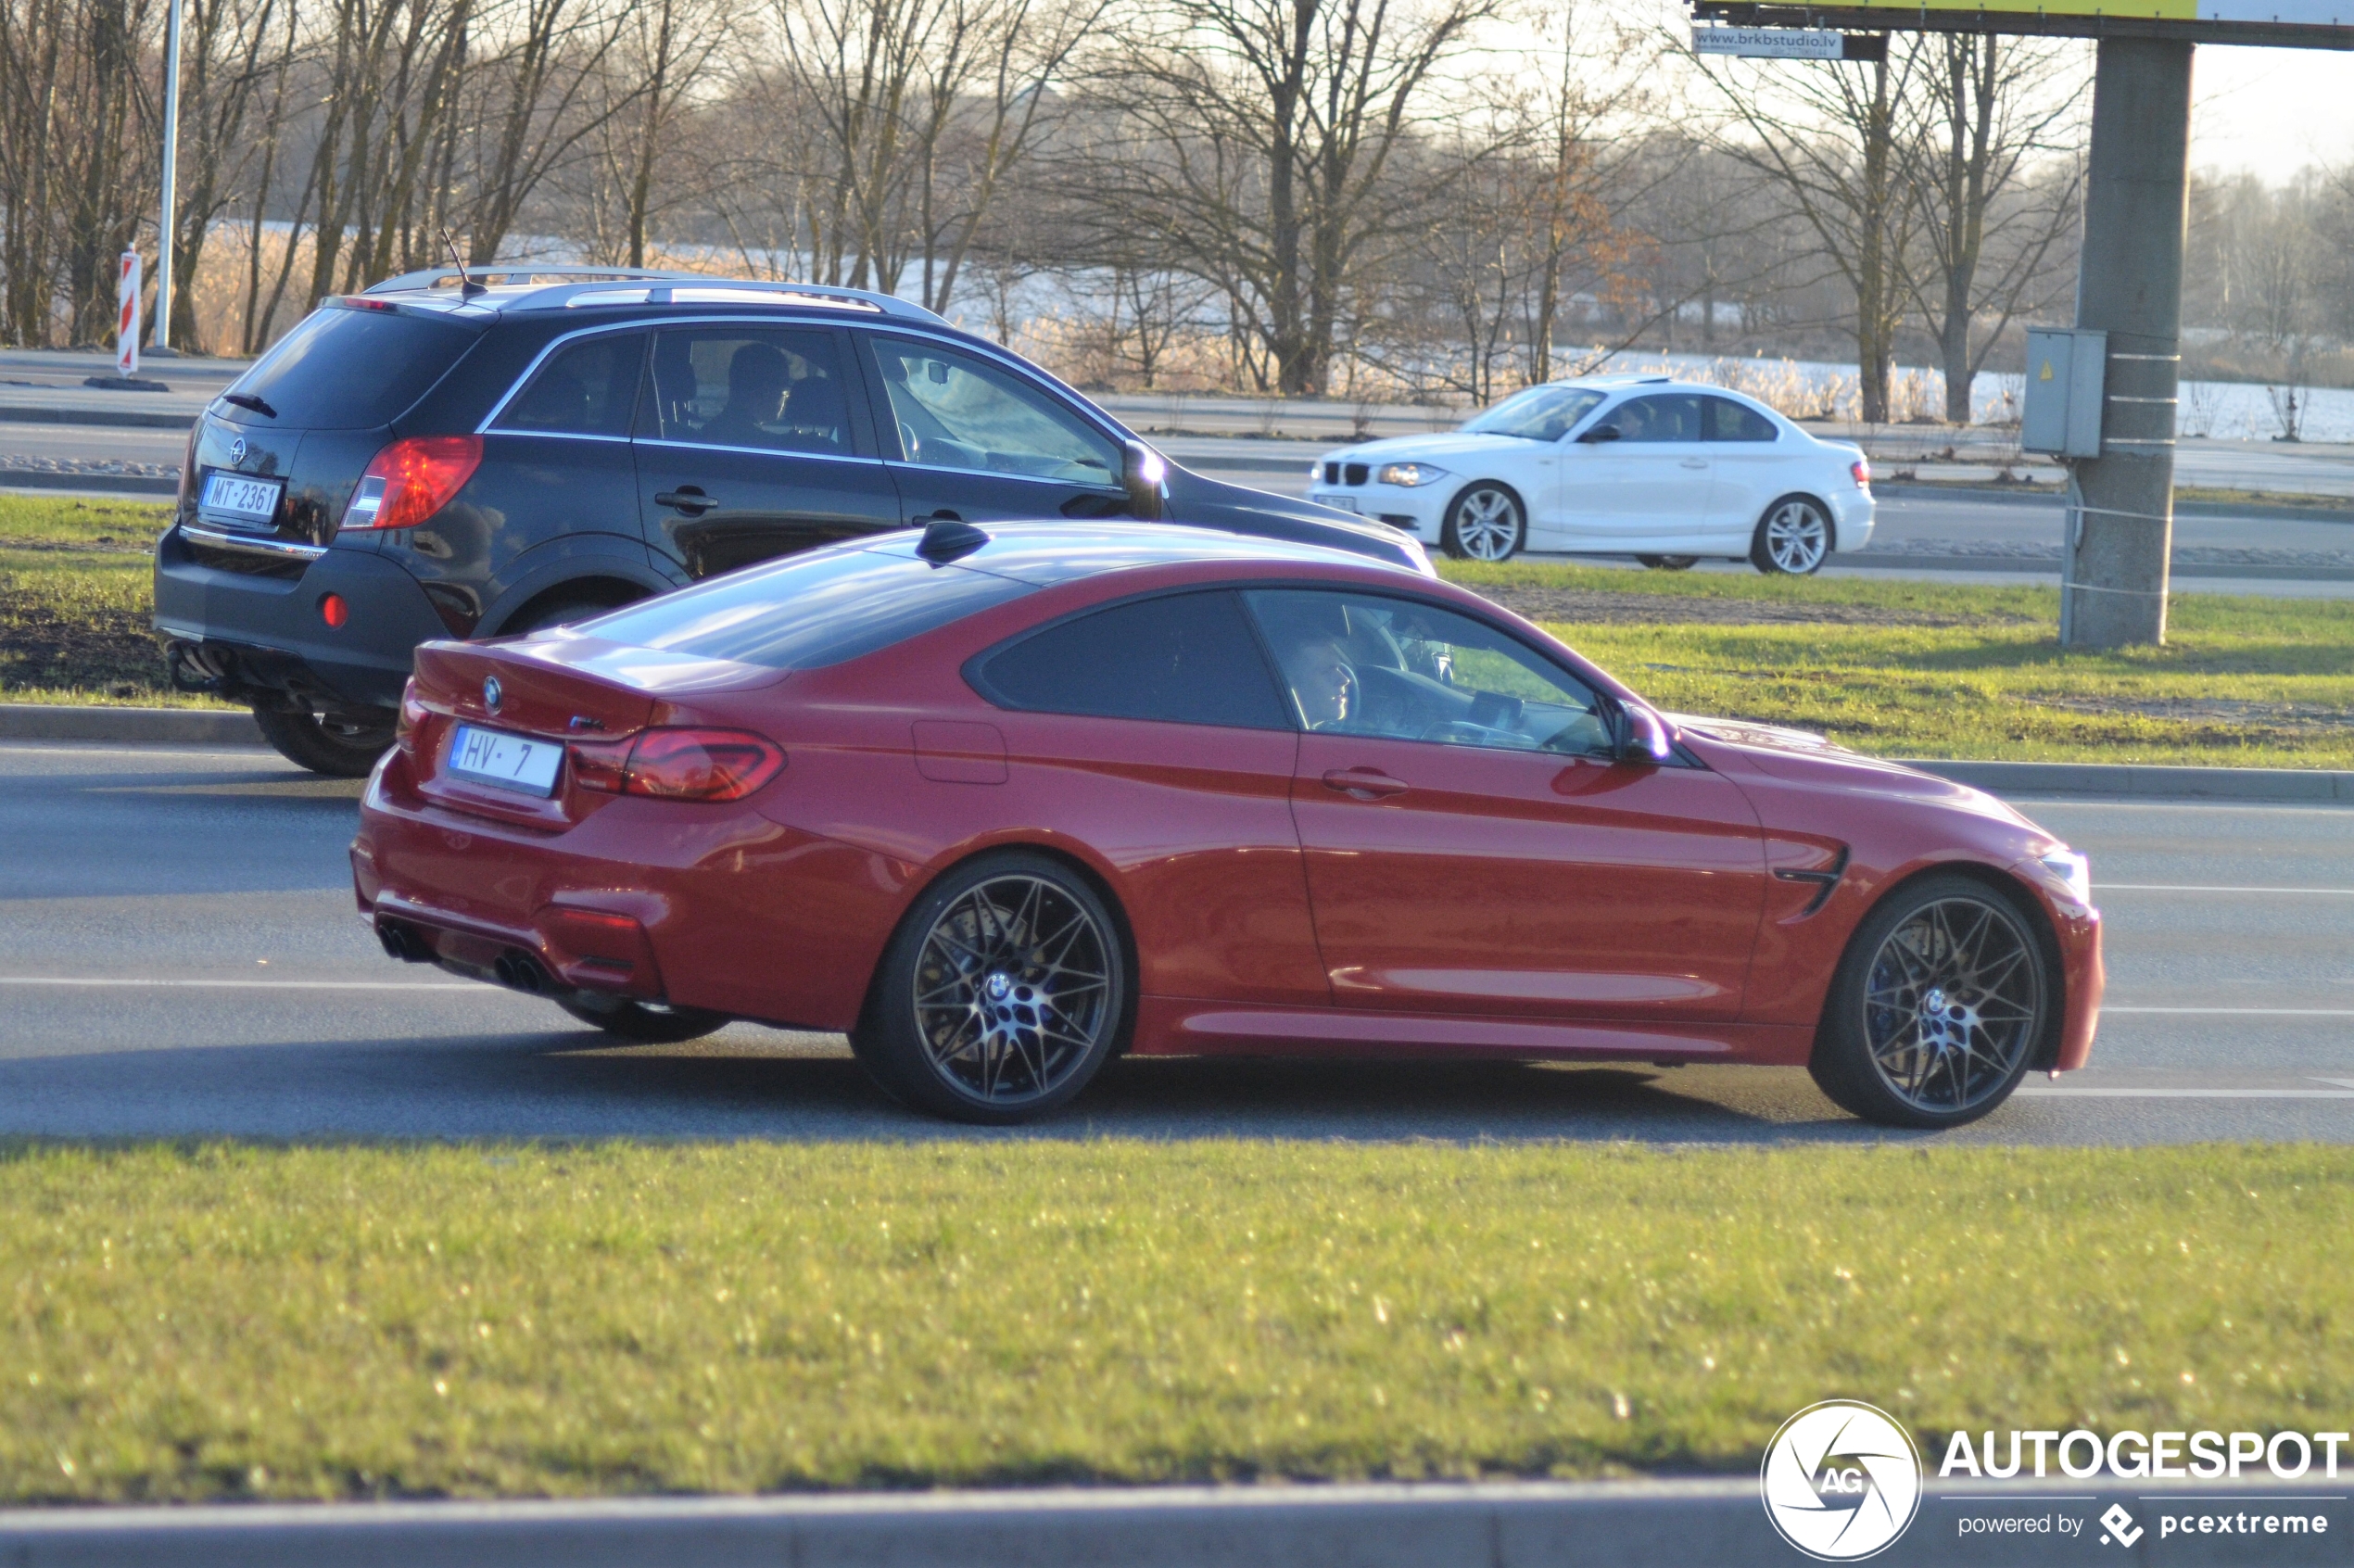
[516, 272]
[561, 283]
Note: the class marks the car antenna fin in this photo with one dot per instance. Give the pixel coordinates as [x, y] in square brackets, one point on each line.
[467, 287]
[949, 538]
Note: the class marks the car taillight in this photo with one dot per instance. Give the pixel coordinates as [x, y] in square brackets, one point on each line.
[413, 713]
[188, 468]
[679, 765]
[412, 479]
[1862, 470]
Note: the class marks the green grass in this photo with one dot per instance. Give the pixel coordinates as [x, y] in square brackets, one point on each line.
[75, 598]
[2241, 681]
[344, 1321]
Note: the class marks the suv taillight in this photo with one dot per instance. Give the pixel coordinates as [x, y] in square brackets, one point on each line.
[412, 479]
[679, 765]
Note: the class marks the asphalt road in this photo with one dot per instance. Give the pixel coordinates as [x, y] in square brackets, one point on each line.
[182, 958]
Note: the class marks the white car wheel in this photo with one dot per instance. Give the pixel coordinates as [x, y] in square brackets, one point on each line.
[1485, 524]
[1794, 536]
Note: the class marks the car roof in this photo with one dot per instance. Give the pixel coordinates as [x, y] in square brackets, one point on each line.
[1048, 553]
[501, 288]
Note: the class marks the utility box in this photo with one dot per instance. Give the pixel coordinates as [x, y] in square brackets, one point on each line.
[2061, 413]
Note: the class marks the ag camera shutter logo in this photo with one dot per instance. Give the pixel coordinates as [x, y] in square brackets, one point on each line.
[1841, 1481]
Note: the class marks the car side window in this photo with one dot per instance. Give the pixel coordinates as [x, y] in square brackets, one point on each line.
[586, 389]
[1400, 669]
[1665, 416]
[775, 389]
[953, 410]
[1728, 421]
[1186, 658]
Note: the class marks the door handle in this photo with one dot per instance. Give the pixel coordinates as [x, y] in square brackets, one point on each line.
[942, 515]
[1364, 783]
[1694, 463]
[688, 499]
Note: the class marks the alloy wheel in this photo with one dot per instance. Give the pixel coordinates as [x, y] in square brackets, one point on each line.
[1797, 537]
[1953, 1003]
[1013, 989]
[1487, 525]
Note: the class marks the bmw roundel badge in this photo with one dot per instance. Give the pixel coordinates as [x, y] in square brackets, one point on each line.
[491, 693]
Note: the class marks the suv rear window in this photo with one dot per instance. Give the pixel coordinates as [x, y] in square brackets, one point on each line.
[350, 369]
[809, 611]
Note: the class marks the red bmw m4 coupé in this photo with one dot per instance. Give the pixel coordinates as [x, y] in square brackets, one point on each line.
[1001, 806]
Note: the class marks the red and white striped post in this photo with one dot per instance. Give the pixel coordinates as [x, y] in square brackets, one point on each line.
[126, 332]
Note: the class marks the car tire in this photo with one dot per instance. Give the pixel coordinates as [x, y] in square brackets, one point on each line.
[644, 1025]
[1669, 562]
[1003, 993]
[338, 748]
[1912, 1034]
[1793, 538]
[1487, 521]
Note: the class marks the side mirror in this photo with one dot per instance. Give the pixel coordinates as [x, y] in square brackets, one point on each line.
[1144, 474]
[1599, 433]
[1641, 736]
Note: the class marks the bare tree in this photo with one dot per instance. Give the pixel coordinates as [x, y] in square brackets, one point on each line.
[1827, 132]
[1984, 228]
[1259, 137]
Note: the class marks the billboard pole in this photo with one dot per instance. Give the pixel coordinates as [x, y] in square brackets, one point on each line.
[2129, 285]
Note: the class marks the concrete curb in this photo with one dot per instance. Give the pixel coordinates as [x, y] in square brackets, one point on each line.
[131, 727]
[1508, 1525]
[2013, 495]
[2114, 780]
[87, 483]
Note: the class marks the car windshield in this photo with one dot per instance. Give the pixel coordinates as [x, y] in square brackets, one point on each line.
[1541, 413]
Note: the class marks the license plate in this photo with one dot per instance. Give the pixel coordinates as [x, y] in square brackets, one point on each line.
[253, 503]
[508, 762]
[1341, 503]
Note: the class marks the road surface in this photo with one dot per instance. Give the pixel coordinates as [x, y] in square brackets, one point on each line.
[182, 958]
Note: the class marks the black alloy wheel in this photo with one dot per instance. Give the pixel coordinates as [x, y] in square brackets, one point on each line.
[1006, 989]
[1942, 1001]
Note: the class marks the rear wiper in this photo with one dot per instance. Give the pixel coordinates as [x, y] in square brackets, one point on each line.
[247, 400]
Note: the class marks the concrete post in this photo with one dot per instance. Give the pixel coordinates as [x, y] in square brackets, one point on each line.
[2129, 284]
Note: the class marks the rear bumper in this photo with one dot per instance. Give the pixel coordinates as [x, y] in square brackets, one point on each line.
[266, 634]
[708, 907]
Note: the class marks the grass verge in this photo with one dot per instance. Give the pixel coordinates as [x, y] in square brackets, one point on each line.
[234, 1321]
[75, 599]
[1932, 669]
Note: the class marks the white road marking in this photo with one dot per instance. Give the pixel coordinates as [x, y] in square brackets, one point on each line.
[2096, 1093]
[250, 984]
[2242, 1012]
[2181, 887]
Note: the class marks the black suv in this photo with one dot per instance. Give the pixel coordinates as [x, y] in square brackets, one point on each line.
[445, 457]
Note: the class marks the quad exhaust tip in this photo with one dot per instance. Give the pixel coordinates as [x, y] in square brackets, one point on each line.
[404, 943]
[518, 970]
